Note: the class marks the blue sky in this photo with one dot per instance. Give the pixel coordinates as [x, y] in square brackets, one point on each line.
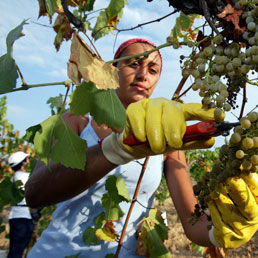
[40, 63]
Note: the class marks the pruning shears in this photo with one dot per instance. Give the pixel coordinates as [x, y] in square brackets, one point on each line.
[195, 132]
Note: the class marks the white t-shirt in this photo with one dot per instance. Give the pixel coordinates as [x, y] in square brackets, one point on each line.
[20, 211]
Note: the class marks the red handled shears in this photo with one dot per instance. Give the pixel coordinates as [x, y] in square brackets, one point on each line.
[195, 132]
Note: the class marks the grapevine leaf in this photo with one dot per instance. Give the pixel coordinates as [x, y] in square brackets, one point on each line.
[31, 132]
[10, 192]
[69, 148]
[112, 189]
[13, 35]
[8, 73]
[103, 105]
[55, 103]
[8, 69]
[99, 220]
[101, 27]
[185, 22]
[152, 235]
[63, 29]
[112, 209]
[90, 67]
[107, 233]
[89, 5]
[89, 236]
[52, 6]
[115, 7]
[122, 190]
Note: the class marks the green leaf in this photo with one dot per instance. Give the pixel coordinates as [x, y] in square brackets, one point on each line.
[8, 73]
[31, 132]
[51, 6]
[185, 22]
[122, 190]
[112, 209]
[10, 192]
[56, 102]
[110, 186]
[101, 27]
[89, 236]
[114, 7]
[89, 5]
[153, 237]
[99, 220]
[14, 35]
[103, 105]
[70, 149]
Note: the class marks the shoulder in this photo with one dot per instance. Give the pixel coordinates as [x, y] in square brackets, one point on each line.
[76, 123]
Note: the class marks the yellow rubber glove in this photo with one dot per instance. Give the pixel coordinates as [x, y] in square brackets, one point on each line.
[159, 121]
[235, 213]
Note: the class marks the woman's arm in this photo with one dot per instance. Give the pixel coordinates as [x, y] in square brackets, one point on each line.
[57, 183]
[181, 191]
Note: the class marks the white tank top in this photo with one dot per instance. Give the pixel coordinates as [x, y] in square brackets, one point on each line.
[64, 235]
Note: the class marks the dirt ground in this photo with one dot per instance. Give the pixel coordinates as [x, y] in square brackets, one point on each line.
[177, 243]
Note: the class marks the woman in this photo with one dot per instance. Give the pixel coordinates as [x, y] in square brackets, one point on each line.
[78, 193]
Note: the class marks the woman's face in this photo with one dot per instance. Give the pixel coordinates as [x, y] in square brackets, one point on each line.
[138, 78]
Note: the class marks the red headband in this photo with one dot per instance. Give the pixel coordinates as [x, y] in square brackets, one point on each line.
[129, 42]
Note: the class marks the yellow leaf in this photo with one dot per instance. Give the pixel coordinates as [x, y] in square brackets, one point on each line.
[90, 67]
[107, 233]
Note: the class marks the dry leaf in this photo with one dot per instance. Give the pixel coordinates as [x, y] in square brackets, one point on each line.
[90, 67]
[229, 9]
[231, 14]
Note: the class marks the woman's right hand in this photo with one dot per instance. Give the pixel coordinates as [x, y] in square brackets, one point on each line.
[159, 122]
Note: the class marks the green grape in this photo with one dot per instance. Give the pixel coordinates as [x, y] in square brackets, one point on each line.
[255, 140]
[208, 51]
[224, 150]
[238, 129]
[254, 159]
[224, 93]
[245, 123]
[220, 100]
[252, 116]
[247, 143]
[240, 154]
[227, 107]
[247, 164]
[206, 101]
[229, 67]
[235, 138]
[236, 62]
[217, 39]
[218, 115]
[251, 26]
[220, 68]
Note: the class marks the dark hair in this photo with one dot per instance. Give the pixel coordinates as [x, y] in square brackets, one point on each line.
[18, 166]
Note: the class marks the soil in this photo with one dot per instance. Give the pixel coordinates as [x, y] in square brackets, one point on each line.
[177, 243]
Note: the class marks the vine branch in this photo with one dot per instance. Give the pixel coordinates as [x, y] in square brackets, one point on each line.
[144, 166]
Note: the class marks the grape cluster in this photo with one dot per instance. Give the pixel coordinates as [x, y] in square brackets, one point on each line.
[239, 157]
[220, 70]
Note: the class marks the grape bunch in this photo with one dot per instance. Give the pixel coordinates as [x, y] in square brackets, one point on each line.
[222, 67]
[237, 159]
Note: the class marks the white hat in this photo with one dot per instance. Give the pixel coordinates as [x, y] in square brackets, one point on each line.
[17, 158]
